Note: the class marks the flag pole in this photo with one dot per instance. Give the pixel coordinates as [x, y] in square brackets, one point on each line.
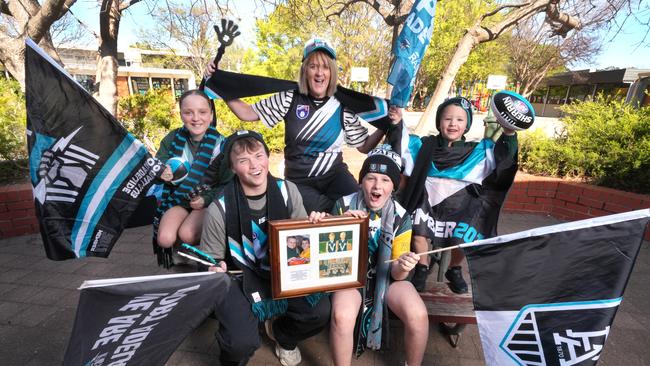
[429, 252]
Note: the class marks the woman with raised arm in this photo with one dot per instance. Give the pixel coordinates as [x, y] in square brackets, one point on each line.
[316, 126]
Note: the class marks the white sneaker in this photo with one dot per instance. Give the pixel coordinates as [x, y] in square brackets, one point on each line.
[268, 326]
[288, 357]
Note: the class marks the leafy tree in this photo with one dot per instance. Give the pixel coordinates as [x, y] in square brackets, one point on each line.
[20, 19]
[150, 116]
[282, 35]
[13, 120]
[562, 17]
[533, 54]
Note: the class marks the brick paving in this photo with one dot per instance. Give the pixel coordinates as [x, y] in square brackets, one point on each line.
[38, 300]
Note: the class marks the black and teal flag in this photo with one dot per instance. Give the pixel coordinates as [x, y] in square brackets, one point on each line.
[548, 296]
[88, 173]
[140, 320]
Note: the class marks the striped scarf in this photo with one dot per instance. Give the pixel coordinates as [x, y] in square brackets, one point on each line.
[172, 195]
[369, 322]
[249, 253]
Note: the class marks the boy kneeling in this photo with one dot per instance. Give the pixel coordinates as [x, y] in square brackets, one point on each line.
[235, 231]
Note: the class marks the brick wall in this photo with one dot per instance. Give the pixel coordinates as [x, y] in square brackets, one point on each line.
[529, 194]
[17, 215]
[569, 200]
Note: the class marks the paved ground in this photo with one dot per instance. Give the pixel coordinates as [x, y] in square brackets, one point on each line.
[38, 300]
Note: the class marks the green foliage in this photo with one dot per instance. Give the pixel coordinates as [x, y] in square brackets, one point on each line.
[605, 141]
[149, 116]
[452, 20]
[13, 120]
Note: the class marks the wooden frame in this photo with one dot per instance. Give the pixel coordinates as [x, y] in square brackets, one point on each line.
[328, 265]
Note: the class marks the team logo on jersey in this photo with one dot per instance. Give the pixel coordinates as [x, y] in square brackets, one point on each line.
[562, 334]
[302, 111]
[62, 170]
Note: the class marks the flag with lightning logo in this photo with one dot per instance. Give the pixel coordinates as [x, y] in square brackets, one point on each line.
[88, 173]
[548, 296]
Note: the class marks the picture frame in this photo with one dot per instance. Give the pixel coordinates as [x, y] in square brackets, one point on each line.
[335, 256]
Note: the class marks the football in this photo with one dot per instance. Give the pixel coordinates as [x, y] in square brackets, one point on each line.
[180, 169]
[512, 110]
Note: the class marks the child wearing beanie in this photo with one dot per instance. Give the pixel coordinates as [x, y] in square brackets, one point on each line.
[455, 188]
[389, 237]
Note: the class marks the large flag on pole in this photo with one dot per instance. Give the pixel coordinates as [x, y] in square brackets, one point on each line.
[409, 49]
[88, 173]
[140, 320]
[548, 296]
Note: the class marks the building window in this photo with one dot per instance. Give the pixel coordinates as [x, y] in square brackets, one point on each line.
[612, 91]
[557, 95]
[538, 96]
[579, 93]
[180, 87]
[161, 83]
[87, 81]
[139, 85]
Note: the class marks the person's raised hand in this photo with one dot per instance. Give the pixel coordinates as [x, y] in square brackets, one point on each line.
[395, 114]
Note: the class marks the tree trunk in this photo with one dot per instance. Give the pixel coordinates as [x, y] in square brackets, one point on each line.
[426, 125]
[36, 21]
[479, 34]
[109, 24]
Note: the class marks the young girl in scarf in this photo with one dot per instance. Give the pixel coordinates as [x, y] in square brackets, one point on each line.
[359, 316]
[179, 218]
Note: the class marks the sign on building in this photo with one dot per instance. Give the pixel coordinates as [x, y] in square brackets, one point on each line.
[359, 74]
[496, 82]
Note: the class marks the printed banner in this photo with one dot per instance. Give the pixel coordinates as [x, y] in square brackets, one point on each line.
[88, 173]
[409, 49]
[140, 320]
[548, 296]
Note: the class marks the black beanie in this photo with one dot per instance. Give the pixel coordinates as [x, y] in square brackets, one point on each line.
[459, 101]
[383, 160]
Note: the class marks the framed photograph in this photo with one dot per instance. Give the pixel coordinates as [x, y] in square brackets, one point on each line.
[328, 256]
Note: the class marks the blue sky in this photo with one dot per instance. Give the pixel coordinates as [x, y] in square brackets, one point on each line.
[622, 51]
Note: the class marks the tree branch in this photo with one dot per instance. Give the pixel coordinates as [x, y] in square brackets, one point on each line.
[125, 5]
[499, 8]
[561, 23]
[4, 8]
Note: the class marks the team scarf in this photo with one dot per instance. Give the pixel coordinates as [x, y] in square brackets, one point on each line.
[230, 85]
[370, 323]
[177, 195]
[246, 250]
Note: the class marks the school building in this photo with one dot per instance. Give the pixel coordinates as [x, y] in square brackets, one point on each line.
[138, 70]
[631, 84]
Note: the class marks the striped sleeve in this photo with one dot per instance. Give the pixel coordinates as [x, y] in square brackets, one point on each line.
[355, 133]
[273, 109]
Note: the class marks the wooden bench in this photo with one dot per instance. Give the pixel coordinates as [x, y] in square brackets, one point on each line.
[451, 311]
